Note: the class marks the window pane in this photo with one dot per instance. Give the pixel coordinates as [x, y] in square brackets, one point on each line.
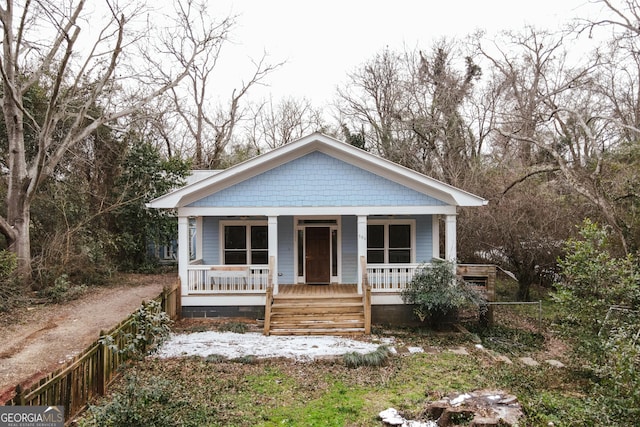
[375, 236]
[235, 237]
[399, 236]
[375, 256]
[235, 257]
[259, 257]
[399, 256]
[259, 237]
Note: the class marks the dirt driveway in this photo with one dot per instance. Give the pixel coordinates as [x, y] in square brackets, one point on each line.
[46, 336]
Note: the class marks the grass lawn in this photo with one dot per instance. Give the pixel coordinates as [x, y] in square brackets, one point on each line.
[214, 391]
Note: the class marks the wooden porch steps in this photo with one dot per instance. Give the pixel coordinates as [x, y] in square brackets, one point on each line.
[338, 314]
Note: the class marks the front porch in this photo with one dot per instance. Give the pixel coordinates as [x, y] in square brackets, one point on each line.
[302, 309]
[230, 255]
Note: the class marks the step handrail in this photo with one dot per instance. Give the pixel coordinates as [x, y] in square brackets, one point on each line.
[269, 297]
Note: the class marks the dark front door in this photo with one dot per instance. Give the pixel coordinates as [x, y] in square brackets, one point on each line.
[318, 255]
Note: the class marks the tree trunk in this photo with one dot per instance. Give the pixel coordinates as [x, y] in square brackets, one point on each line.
[16, 226]
[21, 244]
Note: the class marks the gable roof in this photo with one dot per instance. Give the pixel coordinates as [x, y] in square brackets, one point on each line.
[322, 143]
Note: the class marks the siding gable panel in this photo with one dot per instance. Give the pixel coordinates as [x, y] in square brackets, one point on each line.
[317, 179]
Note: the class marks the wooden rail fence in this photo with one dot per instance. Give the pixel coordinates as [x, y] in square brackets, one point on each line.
[89, 374]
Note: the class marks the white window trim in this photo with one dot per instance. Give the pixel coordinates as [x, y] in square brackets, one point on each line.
[246, 223]
[386, 223]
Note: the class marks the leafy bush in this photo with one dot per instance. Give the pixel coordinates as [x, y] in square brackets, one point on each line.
[593, 280]
[437, 292]
[8, 264]
[138, 405]
[595, 284]
[63, 290]
[11, 293]
[146, 174]
[151, 326]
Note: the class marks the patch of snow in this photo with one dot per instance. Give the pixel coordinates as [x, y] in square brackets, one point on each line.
[233, 345]
[393, 418]
[413, 350]
[458, 400]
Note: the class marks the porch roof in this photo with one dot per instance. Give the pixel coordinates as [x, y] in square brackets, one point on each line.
[316, 142]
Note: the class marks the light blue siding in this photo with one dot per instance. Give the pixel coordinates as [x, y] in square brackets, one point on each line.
[317, 179]
[210, 240]
[285, 250]
[424, 238]
[349, 249]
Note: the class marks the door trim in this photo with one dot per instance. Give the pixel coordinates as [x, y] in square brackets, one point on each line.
[300, 223]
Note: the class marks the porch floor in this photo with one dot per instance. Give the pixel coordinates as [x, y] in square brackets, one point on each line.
[317, 290]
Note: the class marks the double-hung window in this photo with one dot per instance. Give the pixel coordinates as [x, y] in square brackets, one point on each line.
[389, 242]
[245, 244]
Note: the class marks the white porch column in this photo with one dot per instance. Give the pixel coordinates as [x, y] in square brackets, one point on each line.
[362, 247]
[435, 236]
[273, 249]
[450, 238]
[183, 252]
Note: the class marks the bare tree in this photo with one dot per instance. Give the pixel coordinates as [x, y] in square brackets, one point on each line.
[208, 124]
[375, 96]
[273, 125]
[552, 113]
[116, 65]
[412, 105]
[439, 90]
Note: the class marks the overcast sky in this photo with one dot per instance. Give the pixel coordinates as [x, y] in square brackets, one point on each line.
[322, 41]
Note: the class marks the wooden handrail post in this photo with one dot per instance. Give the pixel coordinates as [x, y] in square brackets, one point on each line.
[367, 310]
[267, 311]
[269, 297]
[366, 296]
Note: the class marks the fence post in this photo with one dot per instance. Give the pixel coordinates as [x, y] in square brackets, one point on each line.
[163, 300]
[101, 386]
[19, 399]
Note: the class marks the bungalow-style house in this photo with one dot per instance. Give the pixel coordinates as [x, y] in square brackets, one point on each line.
[316, 236]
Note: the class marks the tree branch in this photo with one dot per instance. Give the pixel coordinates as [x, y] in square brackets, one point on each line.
[529, 175]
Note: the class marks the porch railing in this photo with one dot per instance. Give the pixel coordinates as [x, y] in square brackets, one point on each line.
[208, 279]
[390, 277]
